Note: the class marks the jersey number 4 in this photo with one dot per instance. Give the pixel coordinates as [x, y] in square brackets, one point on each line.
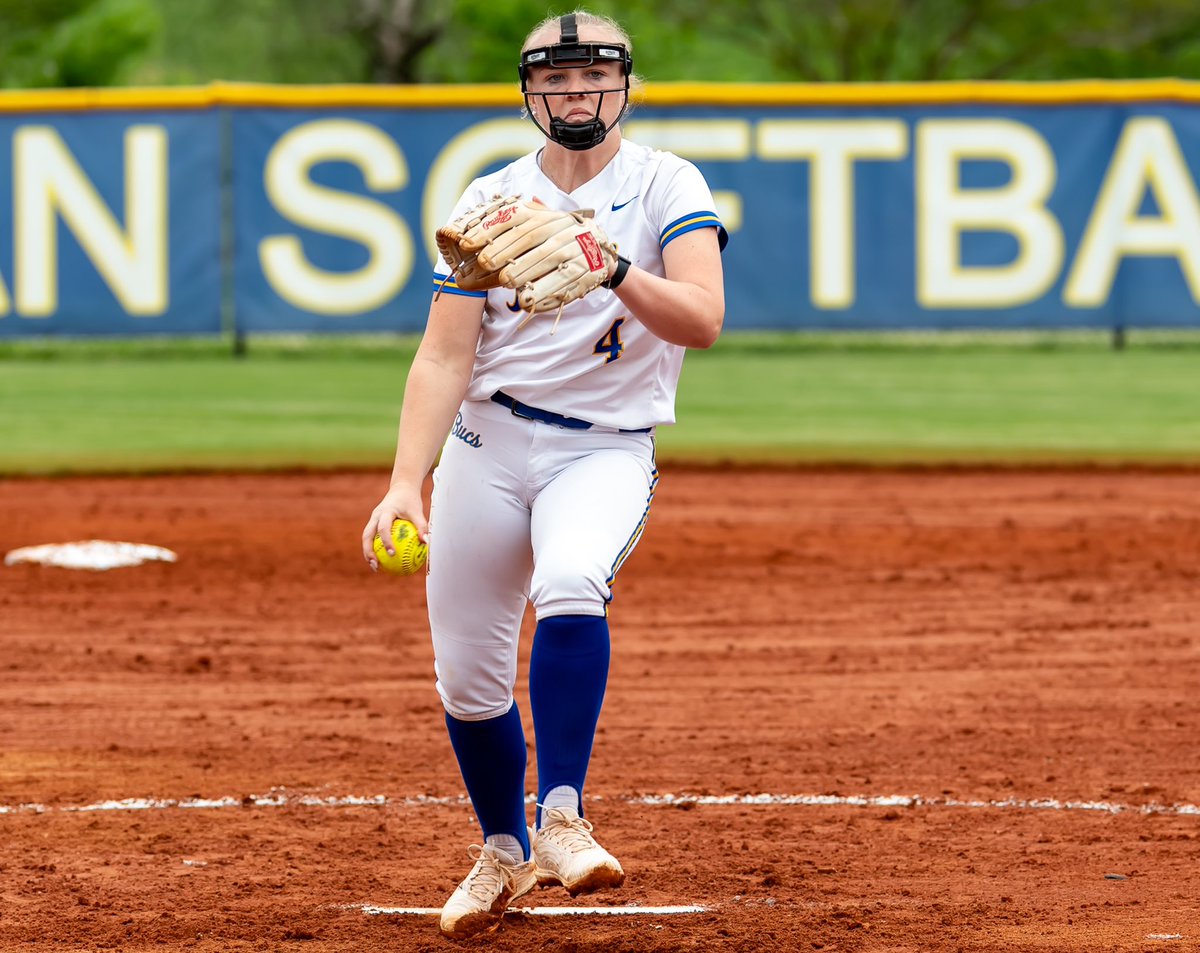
[611, 344]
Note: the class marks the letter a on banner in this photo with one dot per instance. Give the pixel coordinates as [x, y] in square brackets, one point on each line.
[1147, 157]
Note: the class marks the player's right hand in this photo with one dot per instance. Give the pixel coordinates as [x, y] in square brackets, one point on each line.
[400, 502]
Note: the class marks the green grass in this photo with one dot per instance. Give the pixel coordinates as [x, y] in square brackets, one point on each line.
[871, 399]
[1000, 404]
[204, 411]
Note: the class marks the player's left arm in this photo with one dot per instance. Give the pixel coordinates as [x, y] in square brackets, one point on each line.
[687, 306]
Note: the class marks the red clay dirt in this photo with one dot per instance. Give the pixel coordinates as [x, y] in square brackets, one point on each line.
[993, 676]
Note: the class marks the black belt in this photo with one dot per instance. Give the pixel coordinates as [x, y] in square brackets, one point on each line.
[548, 416]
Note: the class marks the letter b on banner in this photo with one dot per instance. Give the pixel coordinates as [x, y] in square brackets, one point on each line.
[945, 211]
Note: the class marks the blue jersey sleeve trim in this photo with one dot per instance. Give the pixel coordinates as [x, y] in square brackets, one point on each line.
[689, 223]
[448, 286]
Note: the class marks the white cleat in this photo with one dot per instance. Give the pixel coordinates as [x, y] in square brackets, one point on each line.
[479, 902]
[564, 852]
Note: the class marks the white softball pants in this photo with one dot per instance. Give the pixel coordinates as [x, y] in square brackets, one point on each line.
[523, 511]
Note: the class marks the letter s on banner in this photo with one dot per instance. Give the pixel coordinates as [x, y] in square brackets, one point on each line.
[354, 217]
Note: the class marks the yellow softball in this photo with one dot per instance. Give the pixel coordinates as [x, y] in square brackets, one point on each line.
[410, 551]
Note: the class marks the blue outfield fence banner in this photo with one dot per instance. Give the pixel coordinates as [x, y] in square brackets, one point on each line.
[312, 209]
[110, 223]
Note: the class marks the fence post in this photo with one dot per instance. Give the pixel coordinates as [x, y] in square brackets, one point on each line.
[229, 322]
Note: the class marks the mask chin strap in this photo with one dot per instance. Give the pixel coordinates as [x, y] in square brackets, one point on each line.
[578, 136]
[569, 53]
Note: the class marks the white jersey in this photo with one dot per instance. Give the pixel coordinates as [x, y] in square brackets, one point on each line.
[601, 365]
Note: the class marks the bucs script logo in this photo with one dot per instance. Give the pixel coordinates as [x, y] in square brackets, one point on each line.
[469, 437]
[501, 217]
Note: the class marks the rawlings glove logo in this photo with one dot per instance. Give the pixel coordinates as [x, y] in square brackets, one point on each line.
[591, 251]
[501, 217]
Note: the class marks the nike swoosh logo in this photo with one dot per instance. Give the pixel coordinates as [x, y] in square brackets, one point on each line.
[617, 208]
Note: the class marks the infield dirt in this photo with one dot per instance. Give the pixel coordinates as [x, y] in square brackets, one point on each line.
[1025, 640]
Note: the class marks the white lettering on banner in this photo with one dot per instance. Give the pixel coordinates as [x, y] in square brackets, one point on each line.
[357, 218]
[1147, 157]
[701, 140]
[1147, 206]
[723, 140]
[500, 140]
[48, 184]
[944, 211]
[832, 147]
[463, 159]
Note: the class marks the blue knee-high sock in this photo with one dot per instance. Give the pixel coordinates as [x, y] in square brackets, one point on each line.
[491, 756]
[568, 671]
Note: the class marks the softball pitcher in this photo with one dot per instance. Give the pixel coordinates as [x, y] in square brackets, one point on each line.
[545, 424]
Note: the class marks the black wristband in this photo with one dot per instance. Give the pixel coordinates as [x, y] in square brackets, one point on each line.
[619, 275]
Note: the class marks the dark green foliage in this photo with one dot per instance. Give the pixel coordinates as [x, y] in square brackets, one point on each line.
[73, 42]
[281, 41]
[916, 40]
[102, 42]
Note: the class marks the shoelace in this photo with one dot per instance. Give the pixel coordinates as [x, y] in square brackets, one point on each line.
[489, 877]
[573, 833]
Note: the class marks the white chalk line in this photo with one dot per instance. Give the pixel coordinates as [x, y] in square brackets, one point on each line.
[280, 797]
[372, 910]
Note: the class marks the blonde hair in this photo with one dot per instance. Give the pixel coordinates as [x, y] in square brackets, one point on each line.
[582, 18]
[587, 18]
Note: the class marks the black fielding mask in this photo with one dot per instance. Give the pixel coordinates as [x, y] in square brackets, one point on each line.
[569, 53]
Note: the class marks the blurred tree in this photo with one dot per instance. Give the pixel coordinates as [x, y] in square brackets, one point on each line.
[394, 34]
[72, 42]
[843, 40]
[279, 41]
[881, 40]
[479, 43]
[456, 41]
[673, 40]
